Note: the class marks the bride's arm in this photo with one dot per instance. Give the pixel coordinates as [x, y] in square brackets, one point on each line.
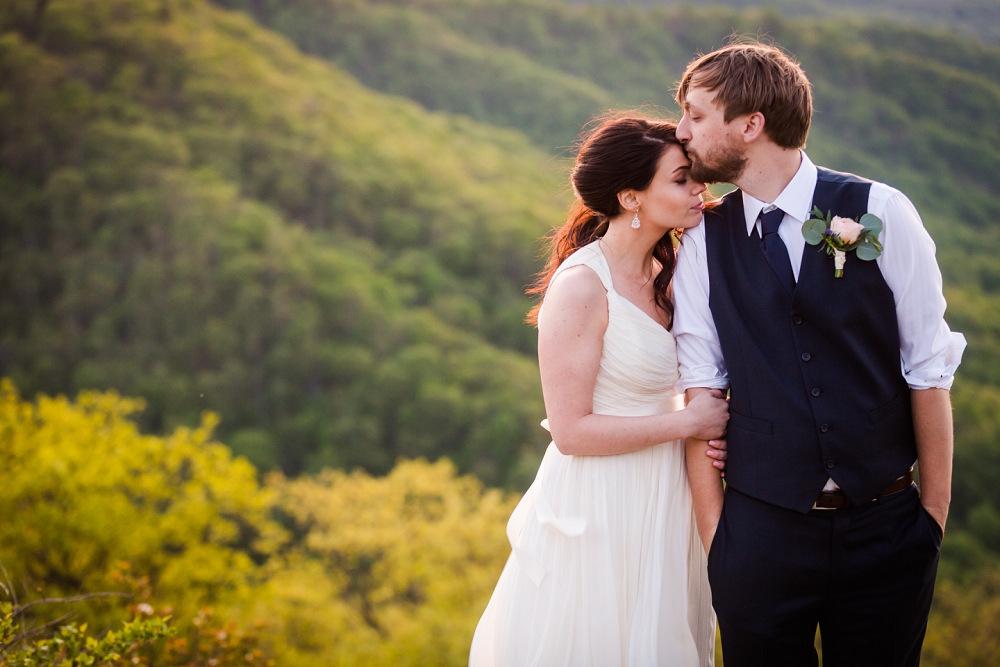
[571, 330]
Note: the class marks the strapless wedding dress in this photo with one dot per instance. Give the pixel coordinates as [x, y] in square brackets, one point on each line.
[606, 568]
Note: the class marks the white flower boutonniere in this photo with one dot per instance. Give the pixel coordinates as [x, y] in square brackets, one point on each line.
[842, 235]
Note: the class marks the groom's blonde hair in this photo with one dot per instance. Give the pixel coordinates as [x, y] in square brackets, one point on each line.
[750, 77]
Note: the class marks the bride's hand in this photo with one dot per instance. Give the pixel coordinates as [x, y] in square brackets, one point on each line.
[709, 415]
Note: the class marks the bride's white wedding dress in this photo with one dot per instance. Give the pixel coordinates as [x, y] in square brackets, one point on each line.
[607, 569]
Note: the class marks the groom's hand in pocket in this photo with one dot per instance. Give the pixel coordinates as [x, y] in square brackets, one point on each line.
[938, 513]
[718, 452]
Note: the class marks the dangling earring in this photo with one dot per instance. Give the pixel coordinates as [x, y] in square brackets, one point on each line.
[635, 220]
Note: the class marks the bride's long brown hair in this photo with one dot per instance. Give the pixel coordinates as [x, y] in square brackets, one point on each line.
[619, 154]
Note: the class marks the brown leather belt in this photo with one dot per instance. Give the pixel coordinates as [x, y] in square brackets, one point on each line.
[836, 500]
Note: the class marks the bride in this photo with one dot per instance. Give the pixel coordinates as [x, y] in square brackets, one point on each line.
[607, 568]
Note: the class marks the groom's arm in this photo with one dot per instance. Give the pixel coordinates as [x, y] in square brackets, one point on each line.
[929, 351]
[702, 368]
[932, 425]
[706, 484]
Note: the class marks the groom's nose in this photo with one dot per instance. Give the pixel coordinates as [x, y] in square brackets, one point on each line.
[683, 133]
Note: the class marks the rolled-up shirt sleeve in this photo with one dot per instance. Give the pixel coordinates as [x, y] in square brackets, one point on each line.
[699, 353]
[929, 351]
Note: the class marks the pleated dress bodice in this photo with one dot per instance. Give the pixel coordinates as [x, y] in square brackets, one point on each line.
[629, 383]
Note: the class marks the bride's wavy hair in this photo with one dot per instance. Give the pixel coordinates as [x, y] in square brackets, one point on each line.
[620, 153]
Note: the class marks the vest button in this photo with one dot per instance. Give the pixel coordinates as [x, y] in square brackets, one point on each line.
[797, 319]
[815, 391]
[831, 463]
[824, 428]
[806, 356]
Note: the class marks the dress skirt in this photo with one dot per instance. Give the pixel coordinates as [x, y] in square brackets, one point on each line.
[606, 570]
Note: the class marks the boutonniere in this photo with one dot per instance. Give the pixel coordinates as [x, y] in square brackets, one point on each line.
[842, 235]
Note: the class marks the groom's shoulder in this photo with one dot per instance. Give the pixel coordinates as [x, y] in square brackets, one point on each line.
[878, 194]
[726, 207]
[825, 175]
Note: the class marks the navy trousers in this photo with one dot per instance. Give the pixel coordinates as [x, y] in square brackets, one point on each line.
[864, 575]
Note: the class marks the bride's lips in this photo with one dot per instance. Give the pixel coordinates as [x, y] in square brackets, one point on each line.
[700, 206]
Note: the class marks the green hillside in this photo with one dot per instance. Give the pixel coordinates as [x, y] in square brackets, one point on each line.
[195, 213]
[977, 19]
[911, 107]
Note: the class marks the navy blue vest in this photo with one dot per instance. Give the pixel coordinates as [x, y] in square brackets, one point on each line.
[816, 385]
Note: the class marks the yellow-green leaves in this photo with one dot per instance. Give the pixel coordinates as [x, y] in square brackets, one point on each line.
[391, 571]
[365, 570]
[84, 490]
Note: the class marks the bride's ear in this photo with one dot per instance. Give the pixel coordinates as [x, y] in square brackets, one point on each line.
[628, 201]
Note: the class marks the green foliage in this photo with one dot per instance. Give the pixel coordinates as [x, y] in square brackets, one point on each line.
[391, 570]
[196, 213]
[87, 491]
[976, 19]
[72, 647]
[138, 642]
[978, 459]
[904, 105]
[962, 628]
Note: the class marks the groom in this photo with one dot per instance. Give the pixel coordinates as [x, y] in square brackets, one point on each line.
[838, 385]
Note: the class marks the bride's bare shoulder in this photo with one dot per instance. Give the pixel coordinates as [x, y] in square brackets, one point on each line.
[576, 294]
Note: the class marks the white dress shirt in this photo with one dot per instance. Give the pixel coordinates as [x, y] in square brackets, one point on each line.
[929, 351]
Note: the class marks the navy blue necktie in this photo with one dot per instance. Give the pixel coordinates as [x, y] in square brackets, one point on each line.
[774, 248]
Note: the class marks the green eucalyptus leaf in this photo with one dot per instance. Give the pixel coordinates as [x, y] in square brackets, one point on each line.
[872, 223]
[867, 252]
[812, 231]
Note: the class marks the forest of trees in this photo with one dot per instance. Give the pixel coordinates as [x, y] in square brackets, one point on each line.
[977, 19]
[315, 219]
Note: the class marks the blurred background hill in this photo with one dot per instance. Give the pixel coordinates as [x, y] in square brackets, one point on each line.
[316, 218]
[974, 18]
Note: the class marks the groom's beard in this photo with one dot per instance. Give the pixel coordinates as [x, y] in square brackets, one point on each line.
[724, 165]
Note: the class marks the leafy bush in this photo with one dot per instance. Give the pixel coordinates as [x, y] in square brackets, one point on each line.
[71, 646]
[86, 490]
[338, 569]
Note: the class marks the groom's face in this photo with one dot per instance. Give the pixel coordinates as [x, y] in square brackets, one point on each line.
[716, 149]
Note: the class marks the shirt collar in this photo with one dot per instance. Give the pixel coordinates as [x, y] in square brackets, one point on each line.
[795, 200]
